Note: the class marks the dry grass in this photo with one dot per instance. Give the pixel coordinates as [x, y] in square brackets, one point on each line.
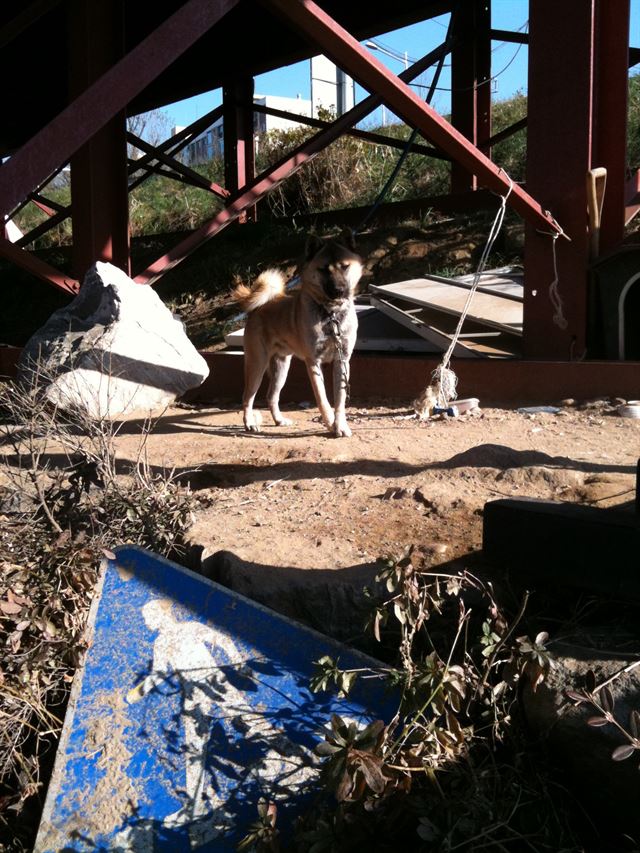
[65, 500]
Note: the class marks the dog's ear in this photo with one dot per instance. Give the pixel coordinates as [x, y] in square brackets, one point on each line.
[348, 239]
[314, 244]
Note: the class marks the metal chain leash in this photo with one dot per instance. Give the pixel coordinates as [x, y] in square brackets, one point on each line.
[342, 356]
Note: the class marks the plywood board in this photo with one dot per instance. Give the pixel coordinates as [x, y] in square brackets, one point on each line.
[476, 341]
[507, 282]
[488, 309]
[435, 336]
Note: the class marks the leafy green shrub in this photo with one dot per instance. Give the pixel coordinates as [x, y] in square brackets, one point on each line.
[511, 153]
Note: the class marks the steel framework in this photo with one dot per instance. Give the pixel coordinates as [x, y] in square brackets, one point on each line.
[577, 113]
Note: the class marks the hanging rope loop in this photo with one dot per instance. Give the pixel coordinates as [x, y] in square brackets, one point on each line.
[554, 293]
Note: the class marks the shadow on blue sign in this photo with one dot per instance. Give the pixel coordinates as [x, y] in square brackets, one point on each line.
[193, 703]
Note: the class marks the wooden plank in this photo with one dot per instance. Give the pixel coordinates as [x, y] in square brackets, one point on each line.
[439, 328]
[486, 308]
[505, 283]
[429, 333]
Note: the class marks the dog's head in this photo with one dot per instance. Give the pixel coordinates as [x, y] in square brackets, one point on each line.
[331, 269]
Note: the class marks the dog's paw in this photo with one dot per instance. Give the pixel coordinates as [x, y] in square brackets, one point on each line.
[284, 422]
[253, 422]
[341, 430]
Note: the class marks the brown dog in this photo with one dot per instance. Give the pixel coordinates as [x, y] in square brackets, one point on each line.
[316, 322]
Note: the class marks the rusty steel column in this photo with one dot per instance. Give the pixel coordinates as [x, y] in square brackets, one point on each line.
[559, 148]
[610, 108]
[100, 205]
[239, 151]
[471, 83]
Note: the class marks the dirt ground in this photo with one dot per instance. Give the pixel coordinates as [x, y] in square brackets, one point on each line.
[296, 498]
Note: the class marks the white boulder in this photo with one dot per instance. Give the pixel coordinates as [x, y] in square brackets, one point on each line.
[115, 351]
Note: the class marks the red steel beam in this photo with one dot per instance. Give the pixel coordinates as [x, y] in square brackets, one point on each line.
[39, 268]
[504, 134]
[346, 51]
[196, 179]
[46, 205]
[270, 178]
[100, 210]
[164, 172]
[510, 36]
[399, 211]
[367, 136]
[45, 226]
[104, 99]
[239, 151]
[496, 381]
[25, 201]
[173, 144]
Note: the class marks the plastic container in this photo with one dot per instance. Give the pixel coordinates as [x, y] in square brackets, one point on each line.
[458, 407]
[631, 409]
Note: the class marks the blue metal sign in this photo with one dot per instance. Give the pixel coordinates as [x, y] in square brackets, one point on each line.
[193, 703]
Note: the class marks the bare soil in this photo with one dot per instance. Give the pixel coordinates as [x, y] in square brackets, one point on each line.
[296, 498]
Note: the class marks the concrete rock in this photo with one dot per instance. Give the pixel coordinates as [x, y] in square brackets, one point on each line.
[608, 788]
[114, 351]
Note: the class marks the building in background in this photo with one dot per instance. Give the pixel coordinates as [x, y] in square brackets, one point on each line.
[331, 90]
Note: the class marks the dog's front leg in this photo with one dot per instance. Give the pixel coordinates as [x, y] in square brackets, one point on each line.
[314, 369]
[340, 386]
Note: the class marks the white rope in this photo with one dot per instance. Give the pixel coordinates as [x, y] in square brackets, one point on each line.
[554, 294]
[444, 382]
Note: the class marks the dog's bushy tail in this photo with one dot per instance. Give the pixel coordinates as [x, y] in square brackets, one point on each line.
[269, 285]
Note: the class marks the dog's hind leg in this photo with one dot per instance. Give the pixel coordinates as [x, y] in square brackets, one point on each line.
[255, 364]
[314, 369]
[278, 368]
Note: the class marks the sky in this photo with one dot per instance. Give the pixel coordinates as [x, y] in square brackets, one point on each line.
[509, 64]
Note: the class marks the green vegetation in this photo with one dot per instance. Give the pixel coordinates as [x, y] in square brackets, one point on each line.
[349, 173]
[453, 769]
